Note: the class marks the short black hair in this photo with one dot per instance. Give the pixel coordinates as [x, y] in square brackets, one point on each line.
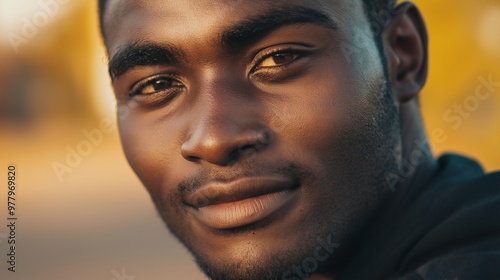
[375, 10]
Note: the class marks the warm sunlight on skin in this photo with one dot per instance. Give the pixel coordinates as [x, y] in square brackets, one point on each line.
[251, 200]
[55, 92]
[209, 104]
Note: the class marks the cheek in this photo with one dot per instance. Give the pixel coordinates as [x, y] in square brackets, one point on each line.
[320, 109]
[149, 146]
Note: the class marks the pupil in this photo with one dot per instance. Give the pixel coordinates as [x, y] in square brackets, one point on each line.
[161, 84]
[283, 58]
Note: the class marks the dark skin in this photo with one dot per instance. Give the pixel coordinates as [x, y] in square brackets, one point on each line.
[210, 103]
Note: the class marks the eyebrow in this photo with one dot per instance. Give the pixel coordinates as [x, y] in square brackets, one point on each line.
[234, 38]
[143, 54]
[254, 28]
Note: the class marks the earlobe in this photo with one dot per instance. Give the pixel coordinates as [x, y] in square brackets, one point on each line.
[406, 49]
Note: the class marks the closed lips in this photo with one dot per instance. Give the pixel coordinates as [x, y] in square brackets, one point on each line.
[242, 202]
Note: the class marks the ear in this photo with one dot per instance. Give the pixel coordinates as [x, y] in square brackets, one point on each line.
[406, 48]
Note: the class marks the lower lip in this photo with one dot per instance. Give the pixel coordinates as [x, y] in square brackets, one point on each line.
[244, 212]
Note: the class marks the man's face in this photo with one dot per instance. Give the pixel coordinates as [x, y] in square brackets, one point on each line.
[257, 131]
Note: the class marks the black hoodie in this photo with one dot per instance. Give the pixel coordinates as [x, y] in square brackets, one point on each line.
[448, 230]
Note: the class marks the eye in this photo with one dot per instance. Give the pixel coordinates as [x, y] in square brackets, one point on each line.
[281, 63]
[277, 59]
[156, 91]
[155, 85]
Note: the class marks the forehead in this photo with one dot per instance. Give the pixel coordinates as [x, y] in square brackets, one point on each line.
[128, 21]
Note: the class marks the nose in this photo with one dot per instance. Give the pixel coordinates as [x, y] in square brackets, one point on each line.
[225, 132]
[224, 143]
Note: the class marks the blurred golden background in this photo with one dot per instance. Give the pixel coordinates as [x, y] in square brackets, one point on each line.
[86, 216]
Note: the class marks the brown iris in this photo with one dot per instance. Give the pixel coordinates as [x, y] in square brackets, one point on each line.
[278, 59]
[159, 85]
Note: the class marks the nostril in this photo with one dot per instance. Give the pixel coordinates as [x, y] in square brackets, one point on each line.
[246, 149]
[192, 158]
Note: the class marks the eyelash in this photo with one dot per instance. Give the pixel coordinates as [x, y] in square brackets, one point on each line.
[269, 53]
[137, 88]
[157, 98]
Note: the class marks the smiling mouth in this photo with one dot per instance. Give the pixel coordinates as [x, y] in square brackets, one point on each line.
[241, 202]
